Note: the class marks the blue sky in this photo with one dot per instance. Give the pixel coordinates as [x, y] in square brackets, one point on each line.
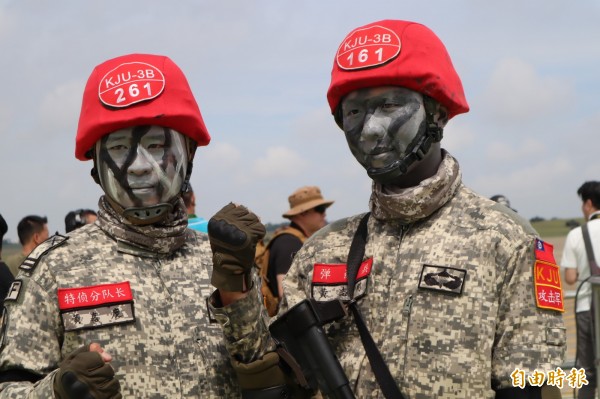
[260, 72]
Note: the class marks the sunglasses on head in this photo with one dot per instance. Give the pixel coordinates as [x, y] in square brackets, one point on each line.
[320, 208]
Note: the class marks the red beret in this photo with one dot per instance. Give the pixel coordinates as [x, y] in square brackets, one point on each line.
[135, 90]
[396, 53]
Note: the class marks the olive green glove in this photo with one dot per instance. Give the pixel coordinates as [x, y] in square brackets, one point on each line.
[233, 233]
[85, 375]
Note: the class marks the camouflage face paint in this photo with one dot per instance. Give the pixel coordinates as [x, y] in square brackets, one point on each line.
[381, 122]
[143, 165]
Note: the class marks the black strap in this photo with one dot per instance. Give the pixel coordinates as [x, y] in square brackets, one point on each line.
[594, 269]
[382, 373]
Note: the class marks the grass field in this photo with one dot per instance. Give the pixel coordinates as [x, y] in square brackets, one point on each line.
[8, 249]
[554, 227]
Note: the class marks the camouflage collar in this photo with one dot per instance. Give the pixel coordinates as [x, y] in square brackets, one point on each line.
[414, 203]
[163, 238]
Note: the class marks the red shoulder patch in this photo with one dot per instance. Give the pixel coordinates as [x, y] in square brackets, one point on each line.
[546, 277]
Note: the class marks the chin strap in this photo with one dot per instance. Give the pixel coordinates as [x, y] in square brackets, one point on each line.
[141, 216]
[185, 186]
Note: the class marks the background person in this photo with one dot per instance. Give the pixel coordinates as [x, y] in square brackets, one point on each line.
[6, 277]
[307, 214]
[79, 218]
[501, 199]
[32, 231]
[577, 269]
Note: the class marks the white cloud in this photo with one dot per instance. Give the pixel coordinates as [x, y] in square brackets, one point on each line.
[517, 92]
[280, 162]
[317, 125]
[223, 154]
[534, 189]
[60, 107]
[510, 151]
[458, 136]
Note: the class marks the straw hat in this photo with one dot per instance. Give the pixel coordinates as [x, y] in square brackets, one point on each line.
[305, 198]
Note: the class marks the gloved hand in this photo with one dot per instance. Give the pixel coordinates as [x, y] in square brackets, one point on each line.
[86, 374]
[233, 233]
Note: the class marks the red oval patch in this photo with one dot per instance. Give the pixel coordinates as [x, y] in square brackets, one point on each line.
[368, 47]
[131, 83]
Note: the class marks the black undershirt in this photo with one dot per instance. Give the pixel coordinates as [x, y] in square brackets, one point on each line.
[282, 252]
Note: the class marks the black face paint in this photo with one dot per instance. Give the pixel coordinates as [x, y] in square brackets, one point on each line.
[411, 109]
[143, 166]
[390, 128]
[165, 158]
[120, 173]
[377, 126]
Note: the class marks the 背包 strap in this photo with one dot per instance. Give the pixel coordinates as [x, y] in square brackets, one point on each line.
[594, 269]
[355, 257]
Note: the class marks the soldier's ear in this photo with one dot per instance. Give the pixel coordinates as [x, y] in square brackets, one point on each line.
[338, 117]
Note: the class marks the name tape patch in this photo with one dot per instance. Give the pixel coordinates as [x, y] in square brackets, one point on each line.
[96, 306]
[330, 281]
[547, 282]
[448, 280]
[102, 316]
[368, 47]
[131, 83]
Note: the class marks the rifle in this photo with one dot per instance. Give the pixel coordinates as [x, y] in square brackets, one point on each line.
[304, 345]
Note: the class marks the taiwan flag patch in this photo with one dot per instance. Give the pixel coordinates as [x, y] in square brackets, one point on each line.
[546, 276]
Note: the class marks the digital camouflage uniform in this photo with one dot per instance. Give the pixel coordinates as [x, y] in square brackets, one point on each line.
[171, 350]
[440, 341]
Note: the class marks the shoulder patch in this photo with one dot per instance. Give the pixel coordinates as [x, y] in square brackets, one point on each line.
[30, 263]
[546, 278]
[14, 291]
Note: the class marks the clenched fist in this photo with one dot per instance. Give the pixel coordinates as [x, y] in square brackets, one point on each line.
[234, 232]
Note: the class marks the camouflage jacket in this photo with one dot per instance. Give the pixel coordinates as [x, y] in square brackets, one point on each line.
[148, 311]
[447, 290]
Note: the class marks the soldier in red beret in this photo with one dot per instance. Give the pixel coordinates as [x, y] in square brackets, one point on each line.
[452, 294]
[118, 308]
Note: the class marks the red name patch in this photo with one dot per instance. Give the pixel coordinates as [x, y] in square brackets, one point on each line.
[337, 273]
[368, 47]
[548, 285]
[131, 83]
[71, 298]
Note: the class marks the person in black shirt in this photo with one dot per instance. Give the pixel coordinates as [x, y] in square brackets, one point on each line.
[6, 277]
[307, 214]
